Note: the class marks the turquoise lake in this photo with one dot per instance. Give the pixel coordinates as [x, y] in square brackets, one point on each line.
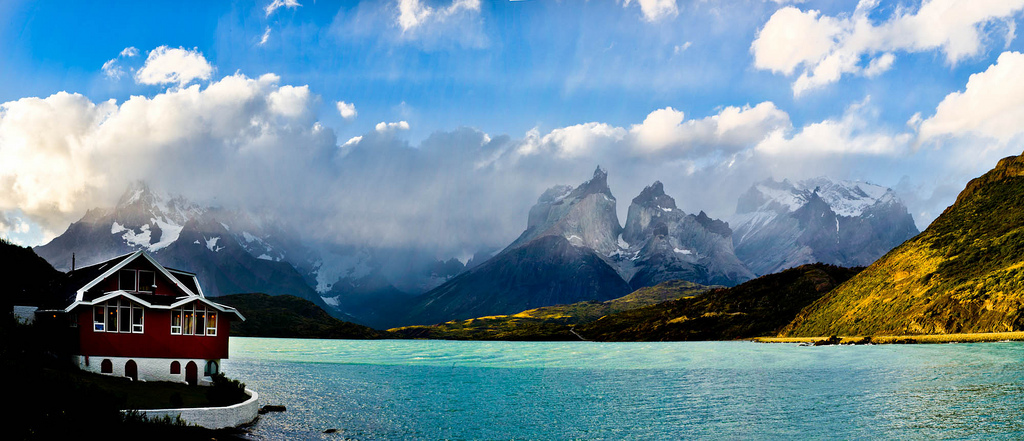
[415, 389]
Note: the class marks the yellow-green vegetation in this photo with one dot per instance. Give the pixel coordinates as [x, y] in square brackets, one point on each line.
[756, 308]
[980, 337]
[963, 274]
[550, 322]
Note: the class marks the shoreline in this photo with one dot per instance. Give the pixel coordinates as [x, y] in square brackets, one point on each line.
[981, 337]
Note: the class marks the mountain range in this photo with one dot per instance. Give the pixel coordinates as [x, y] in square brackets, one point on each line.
[780, 225]
[573, 249]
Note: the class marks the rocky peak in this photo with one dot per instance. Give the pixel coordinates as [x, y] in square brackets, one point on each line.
[716, 226]
[585, 216]
[654, 196]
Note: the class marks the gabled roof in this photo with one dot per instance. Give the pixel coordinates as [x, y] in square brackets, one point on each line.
[157, 302]
[81, 280]
[110, 267]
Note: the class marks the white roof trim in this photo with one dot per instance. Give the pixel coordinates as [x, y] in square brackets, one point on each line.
[80, 294]
[119, 293]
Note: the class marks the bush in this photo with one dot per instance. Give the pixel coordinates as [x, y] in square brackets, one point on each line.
[226, 391]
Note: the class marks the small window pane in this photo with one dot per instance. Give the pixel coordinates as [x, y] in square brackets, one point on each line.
[137, 315]
[211, 323]
[112, 317]
[98, 318]
[147, 281]
[176, 321]
[188, 328]
[126, 280]
[200, 321]
[126, 318]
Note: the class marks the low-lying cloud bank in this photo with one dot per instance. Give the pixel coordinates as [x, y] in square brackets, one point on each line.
[255, 143]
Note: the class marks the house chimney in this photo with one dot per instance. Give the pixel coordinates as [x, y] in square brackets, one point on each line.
[72, 262]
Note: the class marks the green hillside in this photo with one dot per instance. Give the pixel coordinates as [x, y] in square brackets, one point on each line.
[963, 274]
[288, 316]
[756, 308]
[549, 322]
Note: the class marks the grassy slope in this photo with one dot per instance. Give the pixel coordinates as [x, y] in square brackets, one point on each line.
[756, 308]
[963, 274]
[550, 322]
[289, 317]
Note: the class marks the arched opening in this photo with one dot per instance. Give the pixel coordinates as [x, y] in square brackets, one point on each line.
[131, 370]
[211, 368]
[175, 368]
[192, 373]
[106, 366]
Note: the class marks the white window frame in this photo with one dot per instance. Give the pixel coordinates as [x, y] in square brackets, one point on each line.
[211, 315]
[133, 288]
[189, 327]
[138, 281]
[119, 305]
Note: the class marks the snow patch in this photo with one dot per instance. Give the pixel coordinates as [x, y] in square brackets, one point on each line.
[682, 251]
[211, 243]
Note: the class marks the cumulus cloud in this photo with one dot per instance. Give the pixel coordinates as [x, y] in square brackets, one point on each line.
[823, 48]
[385, 127]
[991, 105]
[854, 133]
[64, 154]
[346, 110]
[166, 65]
[655, 10]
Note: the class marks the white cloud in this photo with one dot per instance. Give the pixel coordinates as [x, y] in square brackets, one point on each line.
[64, 154]
[346, 110]
[383, 127]
[278, 4]
[824, 48]
[166, 65]
[112, 68]
[265, 38]
[655, 10]
[730, 130]
[413, 14]
[855, 133]
[580, 139]
[992, 104]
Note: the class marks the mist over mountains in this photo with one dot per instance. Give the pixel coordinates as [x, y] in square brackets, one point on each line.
[572, 249]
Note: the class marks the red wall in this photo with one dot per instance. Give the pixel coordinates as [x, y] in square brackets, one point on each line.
[155, 342]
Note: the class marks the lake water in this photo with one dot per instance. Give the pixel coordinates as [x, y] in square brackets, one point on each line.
[412, 389]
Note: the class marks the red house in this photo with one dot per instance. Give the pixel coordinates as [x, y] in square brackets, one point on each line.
[136, 318]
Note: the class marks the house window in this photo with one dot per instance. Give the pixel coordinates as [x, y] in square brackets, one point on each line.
[200, 321]
[126, 280]
[175, 368]
[211, 368]
[125, 311]
[137, 319]
[176, 322]
[211, 323]
[189, 324]
[118, 315]
[194, 320]
[112, 316]
[147, 281]
[106, 366]
[99, 314]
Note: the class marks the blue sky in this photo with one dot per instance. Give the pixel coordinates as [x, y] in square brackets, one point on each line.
[497, 100]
